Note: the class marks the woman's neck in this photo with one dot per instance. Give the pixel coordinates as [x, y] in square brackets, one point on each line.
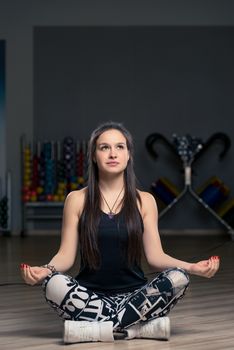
[107, 184]
[112, 194]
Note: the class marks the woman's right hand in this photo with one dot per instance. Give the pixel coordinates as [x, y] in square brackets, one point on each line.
[33, 274]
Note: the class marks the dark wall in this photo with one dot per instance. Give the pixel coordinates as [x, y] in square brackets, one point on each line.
[153, 79]
[2, 118]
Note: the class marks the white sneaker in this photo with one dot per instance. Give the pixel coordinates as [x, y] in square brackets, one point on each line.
[85, 331]
[159, 328]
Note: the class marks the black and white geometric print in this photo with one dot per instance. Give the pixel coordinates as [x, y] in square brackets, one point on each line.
[75, 302]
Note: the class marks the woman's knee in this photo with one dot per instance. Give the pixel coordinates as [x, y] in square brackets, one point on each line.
[57, 286]
[179, 278]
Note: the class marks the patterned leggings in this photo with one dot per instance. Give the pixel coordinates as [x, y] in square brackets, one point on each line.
[75, 302]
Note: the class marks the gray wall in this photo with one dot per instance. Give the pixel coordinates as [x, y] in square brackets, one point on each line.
[154, 79]
[2, 119]
[17, 22]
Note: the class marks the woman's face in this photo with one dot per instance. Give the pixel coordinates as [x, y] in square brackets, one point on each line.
[111, 153]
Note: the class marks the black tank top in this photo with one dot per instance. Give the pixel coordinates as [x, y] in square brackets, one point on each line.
[114, 274]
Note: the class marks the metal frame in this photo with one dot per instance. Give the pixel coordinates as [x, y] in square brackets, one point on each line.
[26, 207]
[188, 189]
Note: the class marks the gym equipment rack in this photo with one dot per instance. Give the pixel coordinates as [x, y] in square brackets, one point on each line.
[189, 189]
[188, 149]
[38, 205]
[30, 212]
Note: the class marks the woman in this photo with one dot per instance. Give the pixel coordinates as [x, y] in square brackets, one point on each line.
[111, 221]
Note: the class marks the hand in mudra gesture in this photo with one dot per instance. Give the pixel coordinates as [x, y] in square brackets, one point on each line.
[206, 268]
[33, 274]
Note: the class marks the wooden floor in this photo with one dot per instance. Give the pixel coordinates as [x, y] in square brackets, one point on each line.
[203, 320]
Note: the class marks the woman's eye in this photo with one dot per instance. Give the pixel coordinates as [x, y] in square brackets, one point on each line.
[104, 148]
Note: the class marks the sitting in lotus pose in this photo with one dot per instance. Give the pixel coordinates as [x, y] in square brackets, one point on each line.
[111, 222]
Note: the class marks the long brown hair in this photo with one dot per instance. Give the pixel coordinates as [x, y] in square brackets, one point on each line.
[90, 217]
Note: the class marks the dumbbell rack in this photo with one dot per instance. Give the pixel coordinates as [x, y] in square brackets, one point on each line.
[32, 211]
[37, 209]
[188, 189]
[7, 228]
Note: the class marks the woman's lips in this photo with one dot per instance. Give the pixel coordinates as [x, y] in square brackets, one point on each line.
[112, 163]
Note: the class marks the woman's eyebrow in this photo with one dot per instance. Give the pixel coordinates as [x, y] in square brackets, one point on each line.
[102, 143]
[106, 143]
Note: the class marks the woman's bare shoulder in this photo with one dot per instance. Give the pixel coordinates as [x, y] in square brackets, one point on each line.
[75, 200]
[146, 197]
[148, 203]
[77, 194]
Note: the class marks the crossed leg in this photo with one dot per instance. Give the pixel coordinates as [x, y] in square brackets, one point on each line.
[74, 302]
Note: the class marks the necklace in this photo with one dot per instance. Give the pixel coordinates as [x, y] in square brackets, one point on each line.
[111, 212]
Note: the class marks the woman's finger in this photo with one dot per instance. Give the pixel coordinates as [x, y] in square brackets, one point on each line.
[214, 265]
[32, 273]
[216, 261]
[38, 275]
[23, 270]
[29, 279]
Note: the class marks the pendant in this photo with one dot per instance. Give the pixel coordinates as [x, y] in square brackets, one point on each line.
[111, 215]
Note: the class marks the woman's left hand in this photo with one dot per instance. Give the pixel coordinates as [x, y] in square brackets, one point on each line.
[206, 268]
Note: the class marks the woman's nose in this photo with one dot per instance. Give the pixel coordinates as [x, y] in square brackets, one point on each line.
[113, 153]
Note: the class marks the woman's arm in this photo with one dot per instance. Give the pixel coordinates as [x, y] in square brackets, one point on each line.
[153, 248]
[66, 254]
